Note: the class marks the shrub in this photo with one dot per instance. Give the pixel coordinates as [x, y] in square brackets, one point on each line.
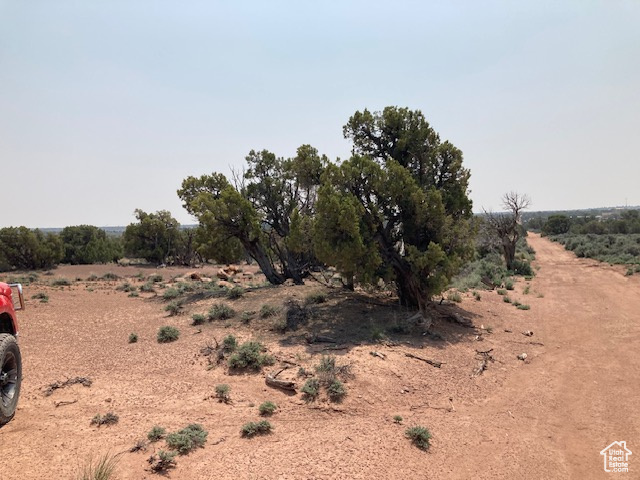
[454, 297]
[133, 295]
[155, 278]
[397, 419]
[221, 312]
[108, 419]
[174, 308]
[311, 389]
[147, 287]
[420, 437]
[267, 408]
[268, 311]
[508, 284]
[61, 282]
[256, 428]
[250, 355]
[156, 433]
[197, 319]
[522, 267]
[187, 439]
[246, 317]
[125, 287]
[162, 461]
[337, 391]
[102, 469]
[506, 299]
[316, 297]
[629, 272]
[222, 393]
[229, 344]
[168, 334]
[92, 278]
[523, 307]
[477, 296]
[235, 293]
[501, 291]
[43, 297]
[109, 277]
[526, 290]
[133, 338]
[171, 293]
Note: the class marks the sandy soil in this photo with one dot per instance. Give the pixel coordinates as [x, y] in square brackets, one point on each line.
[547, 417]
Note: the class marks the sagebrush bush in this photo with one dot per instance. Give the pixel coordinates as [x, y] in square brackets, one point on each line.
[197, 319]
[162, 461]
[43, 297]
[125, 287]
[174, 308]
[221, 312]
[229, 344]
[268, 311]
[454, 297]
[168, 334]
[508, 284]
[336, 391]
[316, 297]
[397, 419]
[155, 278]
[256, 428]
[250, 355]
[420, 437]
[223, 393]
[109, 276]
[235, 293]
[267, 408]
[311, 389]
[108, 418]
[103, 468]
[147, 287]
[133, 337]
[61, 282]
[156, 433]
[523, 307]
[190, 437]
[171, 293]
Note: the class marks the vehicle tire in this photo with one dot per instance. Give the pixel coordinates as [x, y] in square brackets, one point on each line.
[10, 376]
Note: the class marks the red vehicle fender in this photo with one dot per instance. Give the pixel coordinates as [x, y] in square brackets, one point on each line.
[7, 309]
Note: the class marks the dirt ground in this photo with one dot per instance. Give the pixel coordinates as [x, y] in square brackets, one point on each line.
[546, 417]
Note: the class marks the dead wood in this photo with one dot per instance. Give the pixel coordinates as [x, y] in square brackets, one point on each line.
[378, 354]
[320, 339]
[274, 382]
[430, 362]
[62, 403]
[85, 382]
[485, 357]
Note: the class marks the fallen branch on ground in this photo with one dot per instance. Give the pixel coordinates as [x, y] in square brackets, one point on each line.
[485, 358]
[272, 381]
[430, 362]
[85, 382]
[62, 403]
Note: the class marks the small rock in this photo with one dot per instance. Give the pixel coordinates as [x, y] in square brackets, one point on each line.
[522, 356]
[527, 333]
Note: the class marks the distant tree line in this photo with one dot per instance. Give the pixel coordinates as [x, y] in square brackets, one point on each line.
[627, 221]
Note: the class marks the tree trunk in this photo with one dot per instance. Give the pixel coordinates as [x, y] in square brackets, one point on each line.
[409, 292]
[509, 249]
[256, 251]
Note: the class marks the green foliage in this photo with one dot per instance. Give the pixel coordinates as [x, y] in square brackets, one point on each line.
[61, 282]
[25, 249]
[523, 307]
[336, 391]
[155, 278]
[267, 408]
[147, 287]
[223, 393]
[501, 291]
[454, 297]
[162, 461]
[229, 344]
[526, 290]
[420, 437]
[154, 237]
[397, 419]
[311, 389]
[250, 355]
[174, 308]
[611, 248]
[556, 225]
[506, 299]
[221, 312]
[168, 334]
[316, 297]
[251, 429]
[187, 439]
[125, 287]
[268, 311]
[197, 319]
[398, 205]
[43, 297]
[109, 277]
[477, 296]
[235, 293]
[170, 293]
[103, 468]
[508, 284]
[106, 419]
[156, 433]
[87, 244]
[133, 337]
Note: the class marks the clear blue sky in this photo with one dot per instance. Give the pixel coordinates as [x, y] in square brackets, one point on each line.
[105, 106]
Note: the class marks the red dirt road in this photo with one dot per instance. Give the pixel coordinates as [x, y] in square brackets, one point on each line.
[552, 419]
[545, 418]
